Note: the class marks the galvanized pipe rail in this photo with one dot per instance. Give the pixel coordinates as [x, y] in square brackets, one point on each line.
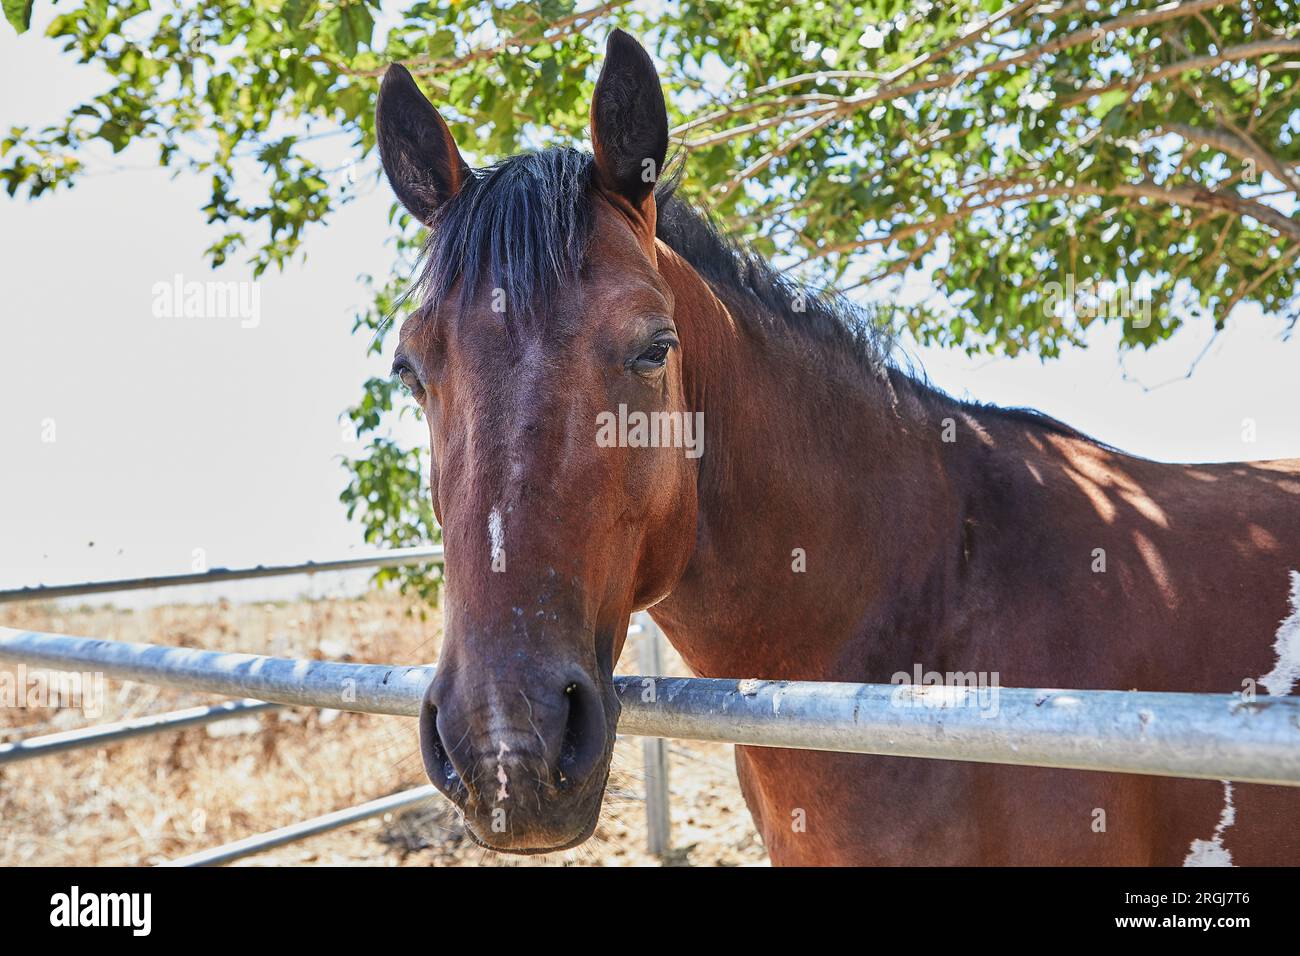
[363, 688]
[306, 828]
[656, 785]
[31, 747]
[380, 559]
[1206, 736]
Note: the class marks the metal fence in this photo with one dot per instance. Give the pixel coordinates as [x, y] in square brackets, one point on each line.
[1208, 736]
[380, 559]
[308, 828]
[31, 747]
[657, 792]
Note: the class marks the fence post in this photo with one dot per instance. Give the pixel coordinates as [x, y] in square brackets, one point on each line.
[655, 751]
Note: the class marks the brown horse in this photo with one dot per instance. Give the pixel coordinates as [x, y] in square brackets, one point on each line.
[840, 521]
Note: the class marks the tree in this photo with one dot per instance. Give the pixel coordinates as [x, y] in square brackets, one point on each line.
[1051, 163]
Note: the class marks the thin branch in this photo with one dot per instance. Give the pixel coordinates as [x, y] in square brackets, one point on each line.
[793, 99]
[752, 104]
[758, 165]
[1244, 51]
[851, 104]
[1202, 198]
[1191, 369]
[1284, 174]
[1237, 146]
[556, 29]
[901, 265]
[967, 36]
[1220, 242]
[1263, 277]
[820, 76]
[1186, 196]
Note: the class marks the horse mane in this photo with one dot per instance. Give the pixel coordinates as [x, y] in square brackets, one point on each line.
[524, 226]
[825, 317]
[1032, 416]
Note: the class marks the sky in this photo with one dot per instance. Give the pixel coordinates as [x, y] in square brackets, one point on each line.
[176, 438]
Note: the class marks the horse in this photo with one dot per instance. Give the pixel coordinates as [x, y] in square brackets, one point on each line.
[838, 519]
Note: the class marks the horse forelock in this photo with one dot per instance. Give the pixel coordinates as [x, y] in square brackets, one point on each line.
[518, 230]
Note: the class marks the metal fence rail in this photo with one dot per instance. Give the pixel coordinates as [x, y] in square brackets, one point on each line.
[1210, 736]
[363, 688]
[306, 828]
[380, 559]
[656, 787]
[31, 747]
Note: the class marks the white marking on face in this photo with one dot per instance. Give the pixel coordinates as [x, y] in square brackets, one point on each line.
[1212, 852]
[496, 533]
[502, 778]
[1282, 678]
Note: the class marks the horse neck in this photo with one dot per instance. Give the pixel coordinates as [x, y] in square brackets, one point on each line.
[827, 506]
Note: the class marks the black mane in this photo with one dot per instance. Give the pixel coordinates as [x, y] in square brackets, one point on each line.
[825, 317]
[521, 226]
[524, 226]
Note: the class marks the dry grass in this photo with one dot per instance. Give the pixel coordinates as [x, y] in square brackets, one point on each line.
[143, 801]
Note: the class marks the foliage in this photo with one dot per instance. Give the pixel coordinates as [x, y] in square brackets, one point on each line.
[1128, 153]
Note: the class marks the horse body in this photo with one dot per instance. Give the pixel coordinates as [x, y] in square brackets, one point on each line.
[979, 553]
[844, 522]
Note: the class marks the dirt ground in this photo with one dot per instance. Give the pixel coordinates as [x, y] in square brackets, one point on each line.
[144, 801]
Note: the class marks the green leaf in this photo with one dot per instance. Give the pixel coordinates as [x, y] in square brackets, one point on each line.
[296, 11]
[19, 14]
[351, 25]
[213, 84]
[441, 45]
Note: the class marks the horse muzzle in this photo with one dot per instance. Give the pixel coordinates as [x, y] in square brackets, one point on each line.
[526, 765]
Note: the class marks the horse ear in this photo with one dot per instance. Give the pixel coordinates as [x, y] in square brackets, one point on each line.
[629, 121]
[420, 158]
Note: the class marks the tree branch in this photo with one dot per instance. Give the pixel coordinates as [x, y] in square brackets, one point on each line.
[758, 165]
[967, 36]
[845, 105]
[1237, 146]
[1263, 277]
[1187, 196]
[564, 26]
[1244, 51]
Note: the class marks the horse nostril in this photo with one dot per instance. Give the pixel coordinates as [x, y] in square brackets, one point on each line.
[437, 761]
[584, 735]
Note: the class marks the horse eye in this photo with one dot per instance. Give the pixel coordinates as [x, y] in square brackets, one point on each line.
[653, 357]
[409, 379]
[657, 353]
